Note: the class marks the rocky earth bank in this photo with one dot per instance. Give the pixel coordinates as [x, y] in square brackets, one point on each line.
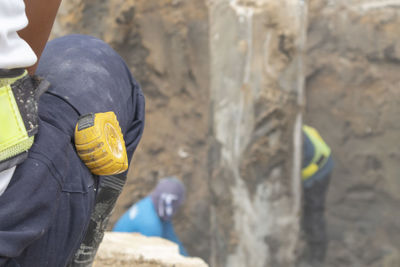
[126, 249]
[165, 44]
[352, 98]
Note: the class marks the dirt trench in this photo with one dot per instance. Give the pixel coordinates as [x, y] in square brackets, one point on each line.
[352, 98]
[165, 44]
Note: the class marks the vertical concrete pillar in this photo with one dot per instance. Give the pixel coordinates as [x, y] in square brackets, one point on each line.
[256, 102]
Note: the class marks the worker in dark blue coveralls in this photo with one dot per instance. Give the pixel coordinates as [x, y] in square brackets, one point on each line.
[316, 172]
[152, 215]
[46, 208]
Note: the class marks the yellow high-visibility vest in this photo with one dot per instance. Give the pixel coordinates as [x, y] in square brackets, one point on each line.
[321, 152]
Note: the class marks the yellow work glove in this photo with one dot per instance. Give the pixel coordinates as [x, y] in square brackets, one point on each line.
[19, 95]
[100, 144]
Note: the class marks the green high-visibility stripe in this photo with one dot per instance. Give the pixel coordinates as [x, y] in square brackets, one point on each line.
[321, 151]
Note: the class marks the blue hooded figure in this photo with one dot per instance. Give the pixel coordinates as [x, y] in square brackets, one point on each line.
[152, 215]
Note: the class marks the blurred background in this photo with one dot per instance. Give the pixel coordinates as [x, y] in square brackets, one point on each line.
[335, 62]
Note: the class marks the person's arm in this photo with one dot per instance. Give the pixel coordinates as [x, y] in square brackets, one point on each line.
[41, 15]
[169, 234]
[140, 218]
[128, 221]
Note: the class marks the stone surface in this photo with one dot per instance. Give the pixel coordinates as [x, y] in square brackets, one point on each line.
[256, 88]
[123, 249]
[353, 98]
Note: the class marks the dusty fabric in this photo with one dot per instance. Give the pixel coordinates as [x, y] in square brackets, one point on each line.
[47, 205]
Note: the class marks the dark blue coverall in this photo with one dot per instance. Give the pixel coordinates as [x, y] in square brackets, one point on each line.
[315, 189]
[46, 208]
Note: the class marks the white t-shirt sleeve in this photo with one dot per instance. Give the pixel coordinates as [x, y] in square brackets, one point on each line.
[14, 51]
[5, 178]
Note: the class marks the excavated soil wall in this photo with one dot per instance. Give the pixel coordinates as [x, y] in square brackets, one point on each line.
[165, 44]
[255, 90]
[352, 98]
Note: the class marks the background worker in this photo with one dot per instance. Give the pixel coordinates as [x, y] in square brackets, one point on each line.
[152, 215]
[316, 172]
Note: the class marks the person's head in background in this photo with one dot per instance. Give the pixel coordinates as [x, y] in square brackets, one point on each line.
[168, 196]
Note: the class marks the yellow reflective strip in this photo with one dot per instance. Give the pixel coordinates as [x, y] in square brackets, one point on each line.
[12, 127]
[309, 171]
[320, 147]
[7, 81]
[17, 149]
